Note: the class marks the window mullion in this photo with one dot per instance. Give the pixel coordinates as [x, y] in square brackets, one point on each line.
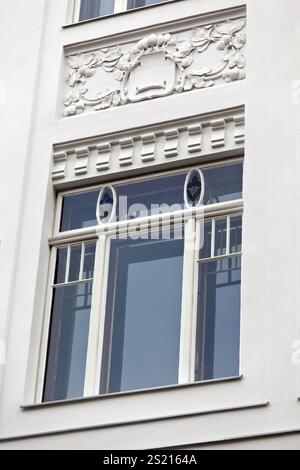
[93, 364]
[199, 234]
[187, 311]
[82, 261]
[228, 235]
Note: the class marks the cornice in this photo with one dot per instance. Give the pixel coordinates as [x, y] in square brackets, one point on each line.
[196, 139]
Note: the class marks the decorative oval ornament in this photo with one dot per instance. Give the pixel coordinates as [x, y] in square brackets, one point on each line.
[106, 205]
[194, 188]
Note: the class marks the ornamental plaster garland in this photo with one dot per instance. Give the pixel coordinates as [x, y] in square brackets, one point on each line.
[228, 38]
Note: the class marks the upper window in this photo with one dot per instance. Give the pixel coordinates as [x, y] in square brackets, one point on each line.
[144, 197]
[146, 277]
[89, 9]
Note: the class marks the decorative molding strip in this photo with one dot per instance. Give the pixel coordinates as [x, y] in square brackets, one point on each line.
[82, 159]
[232, 409]
[198, 138]
[171, 143]
[60, 163]
[104, 152]
[195, 138]
[127, 149]
[155, 66]
[148, 147]
[218, 133]
[239, 129]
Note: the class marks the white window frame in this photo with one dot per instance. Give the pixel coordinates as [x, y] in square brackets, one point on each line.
[121, 6]
[192, 220]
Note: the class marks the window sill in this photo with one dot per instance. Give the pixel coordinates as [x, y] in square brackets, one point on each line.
[73, 401]
[98, 18]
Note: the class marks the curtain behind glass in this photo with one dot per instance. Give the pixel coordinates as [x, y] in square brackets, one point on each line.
[93, 8]
[142, 3]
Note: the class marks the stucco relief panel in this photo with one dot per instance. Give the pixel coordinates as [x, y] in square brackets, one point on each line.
[155, 66]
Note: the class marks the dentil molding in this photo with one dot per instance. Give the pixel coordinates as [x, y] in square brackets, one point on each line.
[192, 140]
[157, 65]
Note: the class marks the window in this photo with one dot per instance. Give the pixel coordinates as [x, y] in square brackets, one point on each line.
[89, 9]
[140, 267]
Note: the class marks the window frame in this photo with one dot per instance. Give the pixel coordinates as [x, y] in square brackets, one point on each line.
[121, 6]
[191, 218]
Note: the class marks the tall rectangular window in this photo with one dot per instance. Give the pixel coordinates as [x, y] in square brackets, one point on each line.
[218, 317]
[159, 305]
[143, 314]
[70, 319]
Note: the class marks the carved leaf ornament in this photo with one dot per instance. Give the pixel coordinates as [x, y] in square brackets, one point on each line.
[228, 38]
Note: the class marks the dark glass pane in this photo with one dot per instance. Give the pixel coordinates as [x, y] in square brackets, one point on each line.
[220, 237]
[236, 234]
[61, 261]
[205, 249]
[93, 8]
[68, 341]
[79, 210]
[89, 261]
[218, 326]
[75, 259]
[150, 197]
[223, 183]
[143, 315]
[142, 3]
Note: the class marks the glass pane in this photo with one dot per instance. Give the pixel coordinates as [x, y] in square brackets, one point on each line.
[218, 326]
[142, 3]
[143, 315]
[151, 196]
[89, 261]
[93, 8]
[61, 261]
[68, 341]
[75, 259]
[145, 197]
[79, 210]
[223, 183]
[220, 237]
[205, 249]
[236, 234]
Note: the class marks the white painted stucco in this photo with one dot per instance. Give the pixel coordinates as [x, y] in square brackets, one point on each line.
[265, 400]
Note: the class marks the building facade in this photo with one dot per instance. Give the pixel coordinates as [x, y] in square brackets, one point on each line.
[149, 275]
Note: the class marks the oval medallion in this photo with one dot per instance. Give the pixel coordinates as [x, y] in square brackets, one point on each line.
[106, 205]
[194, 188]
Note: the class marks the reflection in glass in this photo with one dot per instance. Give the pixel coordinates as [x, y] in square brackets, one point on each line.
[67, 349]
[143, 314]
[143, 3]
[89, 260]
[75, 261]
[79, 210]
[61, 263]
[94, 8]
[223, 183]
[151, 196]
[218, 327]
